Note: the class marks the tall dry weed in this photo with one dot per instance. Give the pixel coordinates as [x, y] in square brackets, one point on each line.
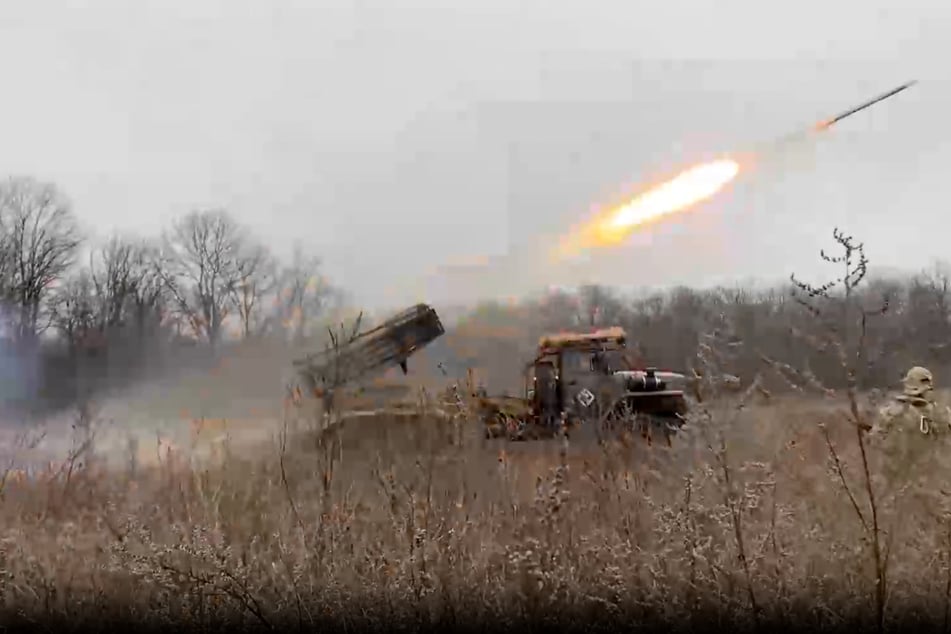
[743, 519]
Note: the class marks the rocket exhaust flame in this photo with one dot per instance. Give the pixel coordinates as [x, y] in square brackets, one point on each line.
[680, 193]
[677, 194]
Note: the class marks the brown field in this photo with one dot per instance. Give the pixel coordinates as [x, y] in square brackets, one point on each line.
[421, 520]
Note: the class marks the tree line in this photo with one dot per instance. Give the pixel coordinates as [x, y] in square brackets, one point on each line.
[758, 328]
[78, 313]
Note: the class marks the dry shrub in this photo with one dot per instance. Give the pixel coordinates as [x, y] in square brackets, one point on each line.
[403, 519]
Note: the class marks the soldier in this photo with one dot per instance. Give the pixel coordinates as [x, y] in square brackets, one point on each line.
[908, 427]
[915, 408]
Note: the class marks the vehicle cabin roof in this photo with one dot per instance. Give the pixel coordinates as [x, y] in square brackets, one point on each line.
[615, 334]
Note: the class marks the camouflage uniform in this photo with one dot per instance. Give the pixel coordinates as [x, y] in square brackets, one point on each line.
[910, 427]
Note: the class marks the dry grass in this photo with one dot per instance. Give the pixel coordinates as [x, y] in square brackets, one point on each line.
[420, 520]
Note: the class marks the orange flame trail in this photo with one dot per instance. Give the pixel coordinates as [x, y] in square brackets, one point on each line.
[677, 194]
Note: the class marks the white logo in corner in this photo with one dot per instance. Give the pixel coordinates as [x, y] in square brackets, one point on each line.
[585, 397]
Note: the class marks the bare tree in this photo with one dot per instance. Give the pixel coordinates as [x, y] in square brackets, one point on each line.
[843, 321]
[555, 309]
[75, 311]
[304, 293]
[6, 258]
[126, 273]
[74, 308]
[148, 295]
[41, 241]
[111, 272]
[256, 278]
[927, 312]
[200, 269]
[598, 307]
[590, 306]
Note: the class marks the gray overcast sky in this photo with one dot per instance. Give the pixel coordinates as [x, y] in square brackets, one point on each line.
[394, 137]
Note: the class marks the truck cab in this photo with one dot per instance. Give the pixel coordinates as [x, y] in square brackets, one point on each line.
[584, 377]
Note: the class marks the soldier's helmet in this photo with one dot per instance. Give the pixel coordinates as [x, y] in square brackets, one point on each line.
[918, 382]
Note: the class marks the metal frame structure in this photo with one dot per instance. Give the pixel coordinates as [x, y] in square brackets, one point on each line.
[392, 342]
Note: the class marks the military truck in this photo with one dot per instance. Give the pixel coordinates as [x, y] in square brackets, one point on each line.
[587, 382]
